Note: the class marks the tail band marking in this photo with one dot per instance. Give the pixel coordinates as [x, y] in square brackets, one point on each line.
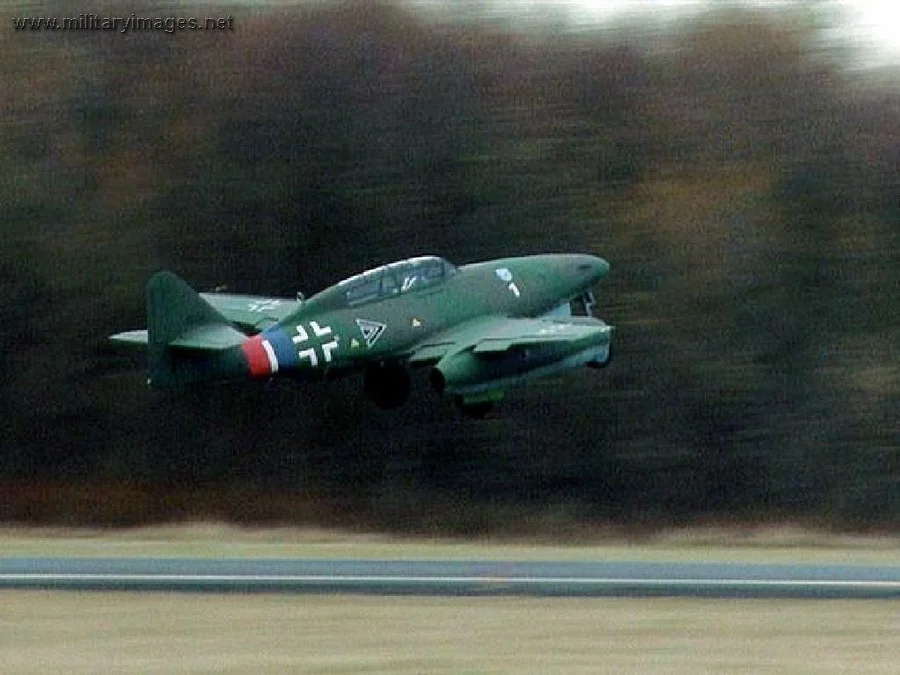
[260, 356]
[270, 353]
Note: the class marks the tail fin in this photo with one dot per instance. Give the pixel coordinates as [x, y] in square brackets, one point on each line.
[187, 339]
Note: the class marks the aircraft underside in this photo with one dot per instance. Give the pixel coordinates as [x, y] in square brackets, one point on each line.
[477, 383]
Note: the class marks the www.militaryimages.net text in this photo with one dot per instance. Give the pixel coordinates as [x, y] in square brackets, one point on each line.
[123, 24]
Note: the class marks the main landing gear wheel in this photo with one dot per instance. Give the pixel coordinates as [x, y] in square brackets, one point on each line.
[387, 385]
[475, 411]
[598, 365]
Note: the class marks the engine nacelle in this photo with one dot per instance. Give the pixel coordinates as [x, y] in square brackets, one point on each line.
[464, 372]
[602, 359]
[471, 372]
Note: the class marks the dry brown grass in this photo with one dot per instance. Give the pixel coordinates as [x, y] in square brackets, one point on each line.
[748, 544]
[72, 632]
[47, 632]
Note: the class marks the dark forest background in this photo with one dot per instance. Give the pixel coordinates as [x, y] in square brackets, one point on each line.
[740, 174]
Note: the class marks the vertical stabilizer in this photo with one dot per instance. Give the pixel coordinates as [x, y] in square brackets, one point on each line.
[187, 339]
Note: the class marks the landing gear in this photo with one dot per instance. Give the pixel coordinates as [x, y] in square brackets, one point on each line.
[477, 406]
[475, 411]
[599, 363]
[387, 385]
[584, 304]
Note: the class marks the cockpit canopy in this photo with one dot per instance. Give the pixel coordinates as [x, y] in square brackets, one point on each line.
[403, 276]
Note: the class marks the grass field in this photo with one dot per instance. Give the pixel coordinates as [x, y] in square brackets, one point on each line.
[73, 632]
[46, 632]
[778, 544]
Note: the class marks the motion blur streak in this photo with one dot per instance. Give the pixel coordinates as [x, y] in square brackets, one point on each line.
[738, 167]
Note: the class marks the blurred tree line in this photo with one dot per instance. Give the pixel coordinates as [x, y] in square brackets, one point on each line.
[741, 178]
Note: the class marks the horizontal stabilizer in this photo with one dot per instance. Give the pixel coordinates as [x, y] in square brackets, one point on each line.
[131, 338]
[209, 338]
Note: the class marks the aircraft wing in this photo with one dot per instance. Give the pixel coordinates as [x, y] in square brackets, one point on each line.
[251, 313]
[485, 356]
[495, 336]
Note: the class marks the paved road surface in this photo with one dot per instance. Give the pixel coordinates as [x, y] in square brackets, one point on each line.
[440, 577]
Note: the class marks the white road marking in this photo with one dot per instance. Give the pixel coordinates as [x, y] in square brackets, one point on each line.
[403, 579]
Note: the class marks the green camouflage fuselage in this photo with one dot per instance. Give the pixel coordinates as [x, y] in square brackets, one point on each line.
[341, 330]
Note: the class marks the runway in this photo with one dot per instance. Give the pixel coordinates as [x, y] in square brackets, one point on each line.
[452, 578]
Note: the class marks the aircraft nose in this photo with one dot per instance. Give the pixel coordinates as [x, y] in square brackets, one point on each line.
[592, 267]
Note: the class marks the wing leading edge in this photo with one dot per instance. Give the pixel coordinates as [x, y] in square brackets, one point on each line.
[492, 353]
[493, 335]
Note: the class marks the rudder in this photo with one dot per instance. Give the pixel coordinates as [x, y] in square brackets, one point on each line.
[187, 339]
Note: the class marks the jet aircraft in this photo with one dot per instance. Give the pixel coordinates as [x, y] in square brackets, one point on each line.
[480, 328]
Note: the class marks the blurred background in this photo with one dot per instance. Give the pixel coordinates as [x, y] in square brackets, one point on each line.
[736, 164]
